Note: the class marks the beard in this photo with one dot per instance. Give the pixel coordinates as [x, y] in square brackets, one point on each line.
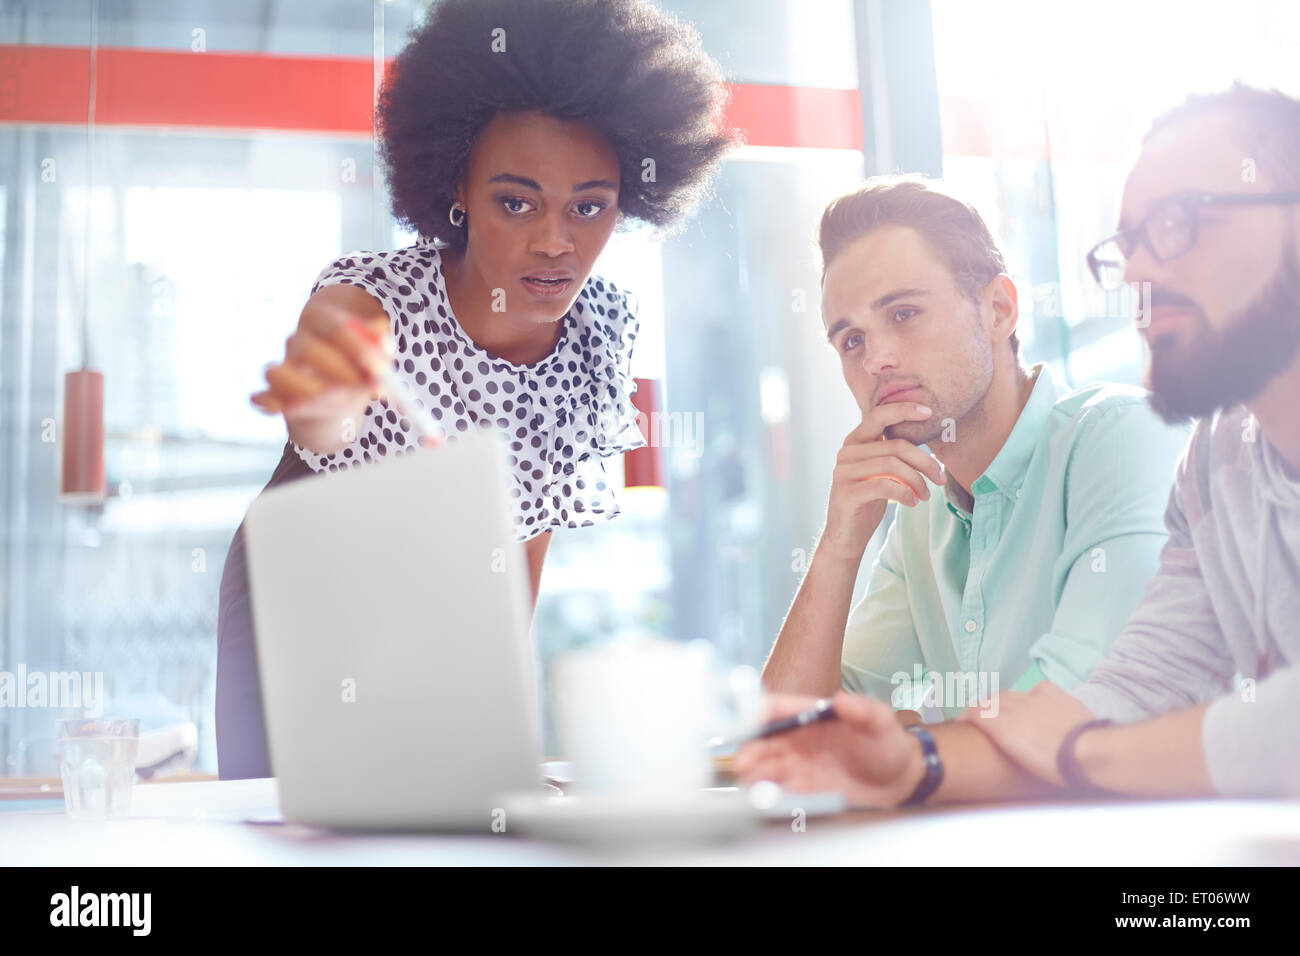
[1212, 369]
[960, 408]
[926, 432]
[952, 415]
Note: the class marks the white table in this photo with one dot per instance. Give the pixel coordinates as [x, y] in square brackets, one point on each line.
[201, 824]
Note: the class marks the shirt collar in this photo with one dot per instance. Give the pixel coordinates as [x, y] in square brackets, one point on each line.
[1007, 470]
[952, 494]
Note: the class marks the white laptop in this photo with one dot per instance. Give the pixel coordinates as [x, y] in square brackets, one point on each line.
[390, 604]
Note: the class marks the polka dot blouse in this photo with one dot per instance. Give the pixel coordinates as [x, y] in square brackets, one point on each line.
[561, 416]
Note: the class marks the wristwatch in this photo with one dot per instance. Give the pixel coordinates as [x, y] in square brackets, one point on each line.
[1068, 765]
[933, 767]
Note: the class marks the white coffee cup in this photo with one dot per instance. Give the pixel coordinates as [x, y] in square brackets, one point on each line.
[635, 716]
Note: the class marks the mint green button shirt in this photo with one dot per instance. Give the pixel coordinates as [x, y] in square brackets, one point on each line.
[1039, 577]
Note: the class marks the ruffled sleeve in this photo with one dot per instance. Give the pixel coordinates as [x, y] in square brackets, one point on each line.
[595, 418]
[608, 398]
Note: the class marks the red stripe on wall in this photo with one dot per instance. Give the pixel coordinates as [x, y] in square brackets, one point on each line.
[168, 88]
[248, 91]
[797, 116]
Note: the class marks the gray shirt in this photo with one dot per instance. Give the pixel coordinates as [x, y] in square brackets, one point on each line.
[1220, 621]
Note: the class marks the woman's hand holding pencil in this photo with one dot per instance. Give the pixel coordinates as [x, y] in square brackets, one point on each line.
[337, 361]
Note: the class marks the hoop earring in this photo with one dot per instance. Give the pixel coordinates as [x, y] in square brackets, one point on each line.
[451, 215]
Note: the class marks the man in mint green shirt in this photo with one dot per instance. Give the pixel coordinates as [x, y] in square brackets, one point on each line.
[1037, 576]
[1030, 517]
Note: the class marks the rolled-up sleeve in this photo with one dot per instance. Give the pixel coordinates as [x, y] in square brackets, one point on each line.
[1119, 480]
[880, 641]
[1174, 653]
[1252, 738]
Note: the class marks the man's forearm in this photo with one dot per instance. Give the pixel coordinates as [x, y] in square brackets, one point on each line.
[975, 770]
[1161, 757]
[806, 657]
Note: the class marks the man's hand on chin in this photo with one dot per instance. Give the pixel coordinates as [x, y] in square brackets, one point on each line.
[865, 753]
[1028, 726]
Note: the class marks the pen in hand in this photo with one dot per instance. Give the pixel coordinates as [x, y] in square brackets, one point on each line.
[396, 392]
[821, 711]
[818, 712]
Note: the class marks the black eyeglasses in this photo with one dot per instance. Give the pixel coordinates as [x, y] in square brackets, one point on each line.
[1168, 231]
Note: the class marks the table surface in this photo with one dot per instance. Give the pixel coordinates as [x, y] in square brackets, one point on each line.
[204, 824]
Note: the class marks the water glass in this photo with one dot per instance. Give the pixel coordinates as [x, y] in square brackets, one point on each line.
[97, 763]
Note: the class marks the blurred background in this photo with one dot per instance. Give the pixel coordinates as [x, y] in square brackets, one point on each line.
[169, 237]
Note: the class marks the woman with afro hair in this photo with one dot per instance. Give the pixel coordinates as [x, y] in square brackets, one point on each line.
[516, 135]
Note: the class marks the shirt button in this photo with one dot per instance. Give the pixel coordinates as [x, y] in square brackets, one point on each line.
[971, 625]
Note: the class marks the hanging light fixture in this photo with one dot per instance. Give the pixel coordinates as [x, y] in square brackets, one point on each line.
[82, 476]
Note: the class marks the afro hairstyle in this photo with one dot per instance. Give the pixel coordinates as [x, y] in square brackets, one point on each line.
[637, 75]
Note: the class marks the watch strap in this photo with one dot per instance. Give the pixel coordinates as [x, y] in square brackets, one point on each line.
[933, 767]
